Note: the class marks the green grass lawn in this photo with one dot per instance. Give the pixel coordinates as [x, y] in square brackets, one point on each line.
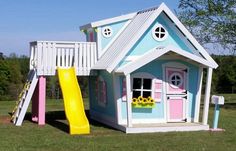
[54, 135]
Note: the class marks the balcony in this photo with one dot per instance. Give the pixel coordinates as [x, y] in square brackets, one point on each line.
[46, 56]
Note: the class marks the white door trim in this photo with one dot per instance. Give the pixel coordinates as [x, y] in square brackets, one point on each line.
[175, 65]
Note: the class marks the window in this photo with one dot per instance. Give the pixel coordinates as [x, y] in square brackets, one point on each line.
[159, 33]
[142, 87]
[101, 91]
[175, 80]
[107, 31]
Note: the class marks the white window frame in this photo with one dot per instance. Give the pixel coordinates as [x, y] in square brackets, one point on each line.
[104, 32]
[154, 33]
[181, 80]
[142, 76]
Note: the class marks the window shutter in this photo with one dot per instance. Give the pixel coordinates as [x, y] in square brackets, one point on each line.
[157, 90]
[104, 92]
[124, 89]
[91, 37]
[97, 88]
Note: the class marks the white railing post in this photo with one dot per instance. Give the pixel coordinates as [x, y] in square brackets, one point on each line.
[76, 57]
[54, 58]
[32, 52]
[39, 60]
[50, 54]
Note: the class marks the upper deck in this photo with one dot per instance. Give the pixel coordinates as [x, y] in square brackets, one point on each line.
[46, 56]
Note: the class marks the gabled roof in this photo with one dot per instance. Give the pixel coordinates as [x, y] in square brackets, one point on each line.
[158, 52]
[133, 32]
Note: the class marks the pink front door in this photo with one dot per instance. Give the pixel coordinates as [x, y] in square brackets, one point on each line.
[176, 81]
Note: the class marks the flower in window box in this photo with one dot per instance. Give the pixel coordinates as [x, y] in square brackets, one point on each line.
[134, 101]
[140, 99]
[145, 101]
[151, 100]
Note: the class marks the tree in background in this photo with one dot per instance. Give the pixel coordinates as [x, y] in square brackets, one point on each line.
[224, 77]
[211, 21]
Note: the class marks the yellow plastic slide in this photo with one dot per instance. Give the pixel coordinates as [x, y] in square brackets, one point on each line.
[73, 101]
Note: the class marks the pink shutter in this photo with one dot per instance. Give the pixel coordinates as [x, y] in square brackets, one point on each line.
[97, 88]
[91, 36]
[104, 92]
[157, 90]
[124, 89]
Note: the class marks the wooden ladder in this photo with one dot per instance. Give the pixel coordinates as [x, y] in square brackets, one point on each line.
[24, 98]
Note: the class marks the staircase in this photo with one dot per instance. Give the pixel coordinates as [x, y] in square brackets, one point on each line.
[25, 96]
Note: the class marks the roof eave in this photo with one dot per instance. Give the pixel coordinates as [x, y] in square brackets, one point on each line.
[154, 54]
[108, 21]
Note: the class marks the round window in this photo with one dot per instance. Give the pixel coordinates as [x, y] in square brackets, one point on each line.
[107, 31]
[176, 80]
[159, 33]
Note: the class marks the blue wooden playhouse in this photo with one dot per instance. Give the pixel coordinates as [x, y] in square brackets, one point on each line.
[149, 54]
[145, 71]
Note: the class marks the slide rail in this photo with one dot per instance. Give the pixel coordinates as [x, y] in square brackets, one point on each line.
[46, 56]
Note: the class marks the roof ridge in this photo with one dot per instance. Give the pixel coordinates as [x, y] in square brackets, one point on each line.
[148, 9]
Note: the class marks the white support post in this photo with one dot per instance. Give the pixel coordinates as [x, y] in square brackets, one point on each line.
[129, 98]
[198, 96]
[207, 96]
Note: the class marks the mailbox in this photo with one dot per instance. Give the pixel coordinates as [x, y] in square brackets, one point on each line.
[217, 100]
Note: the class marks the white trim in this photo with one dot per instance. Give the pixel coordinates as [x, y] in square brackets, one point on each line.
[184, 109]
[207, 96]
[189, 36]
[176, 67]
[116, 86]
[99, 42]
[180, 80]
[108, 21]
[114, 38]
[178, 32]
[162, 8]
[156, 53]
[136, 37]
[186, 103]
[154, 33]
[144, 121]
[198, 96]
[144, 75]
[104, 32]
[97, 116]
[166, 128]
[164, 98]
[131, 58]
[129, 101]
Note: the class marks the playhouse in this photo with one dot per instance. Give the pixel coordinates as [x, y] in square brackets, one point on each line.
[145, 73]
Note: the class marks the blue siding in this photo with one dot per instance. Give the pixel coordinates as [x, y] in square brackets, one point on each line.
[146, 42]
[155, 68]
[116, 27]
[110, 108]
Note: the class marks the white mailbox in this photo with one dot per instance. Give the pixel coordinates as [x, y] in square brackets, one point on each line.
[217, 99]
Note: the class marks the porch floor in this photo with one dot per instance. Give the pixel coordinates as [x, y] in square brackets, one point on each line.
[165, 127]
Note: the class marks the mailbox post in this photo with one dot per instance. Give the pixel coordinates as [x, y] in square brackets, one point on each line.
[217, 100]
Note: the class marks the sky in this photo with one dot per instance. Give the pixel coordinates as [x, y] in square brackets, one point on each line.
[22, 21]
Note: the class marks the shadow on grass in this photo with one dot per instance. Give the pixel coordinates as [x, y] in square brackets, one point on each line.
[57, 120]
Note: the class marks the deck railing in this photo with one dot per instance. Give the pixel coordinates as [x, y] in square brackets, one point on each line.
[46, 56]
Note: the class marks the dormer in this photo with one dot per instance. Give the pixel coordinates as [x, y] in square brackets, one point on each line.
[105, 32]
